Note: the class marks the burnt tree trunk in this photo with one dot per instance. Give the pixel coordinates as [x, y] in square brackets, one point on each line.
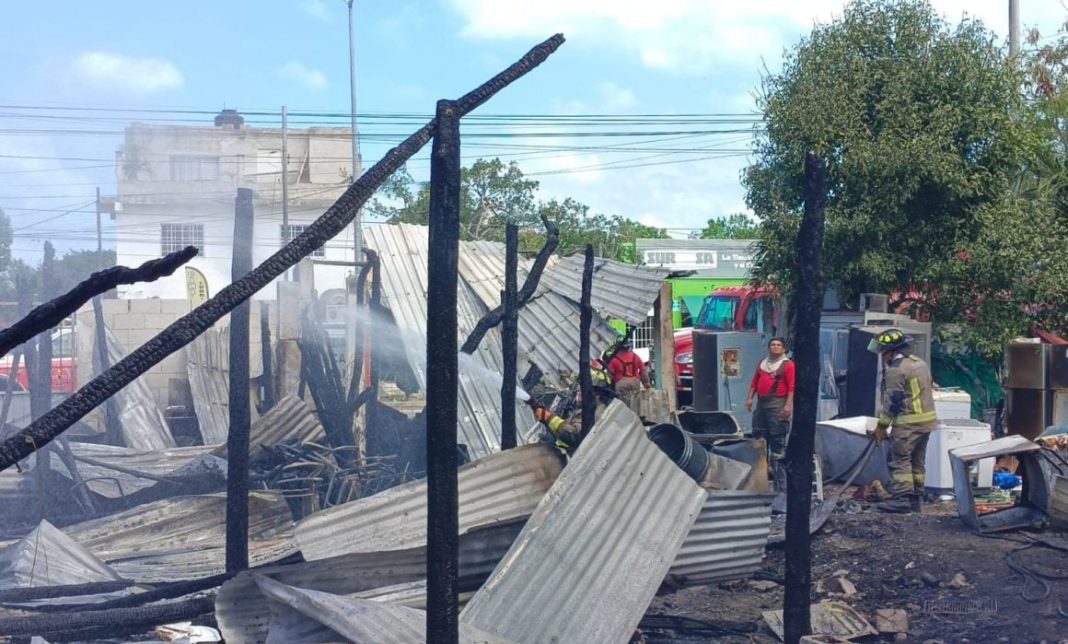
[809, 297]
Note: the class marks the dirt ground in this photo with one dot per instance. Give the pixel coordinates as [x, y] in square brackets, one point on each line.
[903, 562]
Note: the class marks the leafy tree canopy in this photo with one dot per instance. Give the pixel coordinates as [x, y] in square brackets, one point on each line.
[494, 194]
[736, 226]
[920, 126]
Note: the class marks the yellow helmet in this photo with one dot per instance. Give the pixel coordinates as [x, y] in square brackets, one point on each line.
[889, 340]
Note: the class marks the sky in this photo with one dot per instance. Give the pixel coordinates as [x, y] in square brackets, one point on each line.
[647, 111]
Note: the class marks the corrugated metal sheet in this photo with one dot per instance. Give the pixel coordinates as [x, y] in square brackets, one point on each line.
[290, 419]
[360, 620]
[620, 291]
[727, 540]
[243, 612]
[184, 537]
[497, 489]
[113, 484]
[48, 557]
[208, 365]
[143, 426]
[593, 554]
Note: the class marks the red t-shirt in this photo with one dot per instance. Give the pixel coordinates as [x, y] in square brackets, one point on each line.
[763, 381]
[625, 364]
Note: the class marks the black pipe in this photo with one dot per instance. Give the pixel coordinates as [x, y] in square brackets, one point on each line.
[798, 570]
[237, 439]
[186, 329]
[509, 336]
[442, 568]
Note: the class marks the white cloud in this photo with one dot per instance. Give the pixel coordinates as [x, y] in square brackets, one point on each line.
[316, 9]
[615, 97]
[300, 73]
[696, 36]
[127, 74]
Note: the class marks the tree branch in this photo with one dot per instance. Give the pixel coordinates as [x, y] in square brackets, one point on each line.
[51, 313]
[494, 317]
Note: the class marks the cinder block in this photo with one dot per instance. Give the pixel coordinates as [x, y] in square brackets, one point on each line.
[128, 321]
[148, 305]
[176, 307]
[159, 321]
[115, 307]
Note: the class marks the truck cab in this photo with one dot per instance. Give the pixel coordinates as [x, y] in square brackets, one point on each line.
[728, 308]
[64, 369]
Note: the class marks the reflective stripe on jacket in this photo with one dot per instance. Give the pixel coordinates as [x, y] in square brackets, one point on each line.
[907, 396]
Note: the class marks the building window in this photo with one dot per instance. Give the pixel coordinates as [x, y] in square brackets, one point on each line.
[177, 236]
[188, 167]
[291, 231]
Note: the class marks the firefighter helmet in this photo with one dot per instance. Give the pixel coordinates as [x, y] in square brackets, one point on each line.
[889, 340]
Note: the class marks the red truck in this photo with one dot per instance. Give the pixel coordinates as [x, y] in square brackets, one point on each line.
[64, 368]
[728, 308]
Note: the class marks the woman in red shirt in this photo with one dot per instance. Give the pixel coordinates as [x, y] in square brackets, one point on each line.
[773, 385]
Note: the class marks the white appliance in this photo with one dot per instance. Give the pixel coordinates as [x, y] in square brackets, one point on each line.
[951, 434]
[951, 404]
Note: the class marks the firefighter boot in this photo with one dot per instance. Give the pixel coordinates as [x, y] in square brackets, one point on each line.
[917, 501]
[897, 505]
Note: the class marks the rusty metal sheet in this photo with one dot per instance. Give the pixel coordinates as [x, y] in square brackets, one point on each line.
[726, 542]
[143, 426]
[48, 557]
[113, 484]
[620, 291]
[303, 615]
[184, 537]
[395, 576]
[591, 557]
[290, 419]
[497, 489]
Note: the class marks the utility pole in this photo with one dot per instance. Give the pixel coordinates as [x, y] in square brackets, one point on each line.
[286, 234]
[357, 223]
[99, 234]
[1014, 28]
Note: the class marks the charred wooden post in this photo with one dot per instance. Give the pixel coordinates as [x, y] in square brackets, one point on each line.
[510, 336]
[494, 317]
[54, 311]
[237, 439]
[115, 622]
[267, 379]
[589, 404]
[355, 377]
[12, 378]
[796, 618]
[183, 331]
[442, 365]
[102, 356]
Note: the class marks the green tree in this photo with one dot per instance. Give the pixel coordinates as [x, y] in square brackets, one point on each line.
[74, 267]
[735, 226]
[493, 194]
[5, 241]
[920, 126]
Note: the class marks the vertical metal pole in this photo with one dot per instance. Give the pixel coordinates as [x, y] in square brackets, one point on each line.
[442, 623]
[240, 415]
[1014, 28]
[357, 223]
[286, 235]
[509, 336]
[589, 405]
[99, 235]
[797, 622]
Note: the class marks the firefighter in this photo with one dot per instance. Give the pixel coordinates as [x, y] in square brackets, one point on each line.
[567, 433]
[907, 404]
[629, 374]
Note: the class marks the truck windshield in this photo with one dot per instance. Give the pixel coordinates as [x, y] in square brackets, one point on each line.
[718, 313]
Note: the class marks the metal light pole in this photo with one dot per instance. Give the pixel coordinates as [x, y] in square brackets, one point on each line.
[357, 230]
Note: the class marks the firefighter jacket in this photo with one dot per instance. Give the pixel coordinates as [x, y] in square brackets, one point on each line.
[567, 432]
[907, 397]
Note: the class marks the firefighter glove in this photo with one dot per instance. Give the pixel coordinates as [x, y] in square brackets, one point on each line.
[879, 433]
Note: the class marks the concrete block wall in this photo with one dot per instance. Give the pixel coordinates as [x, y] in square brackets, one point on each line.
[135, 322]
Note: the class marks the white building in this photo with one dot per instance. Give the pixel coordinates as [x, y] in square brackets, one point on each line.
[177, 185]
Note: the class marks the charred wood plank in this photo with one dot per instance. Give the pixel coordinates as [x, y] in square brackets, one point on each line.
[509, 336]
[186, 329]
[589, 404]
[115, 622]
[54, 311]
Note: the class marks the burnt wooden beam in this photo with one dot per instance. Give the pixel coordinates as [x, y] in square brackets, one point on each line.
[237, 439]
[589, 404]
[116, 622]
[54, 311]
[187, 328]
[267, 379]
[509, 336]
[443, 381]
[530, 285]
[809, 297]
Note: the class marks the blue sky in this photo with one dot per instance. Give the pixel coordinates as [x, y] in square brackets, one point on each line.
[623, 57]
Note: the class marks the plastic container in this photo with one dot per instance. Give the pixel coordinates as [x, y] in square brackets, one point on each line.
[952, 404]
